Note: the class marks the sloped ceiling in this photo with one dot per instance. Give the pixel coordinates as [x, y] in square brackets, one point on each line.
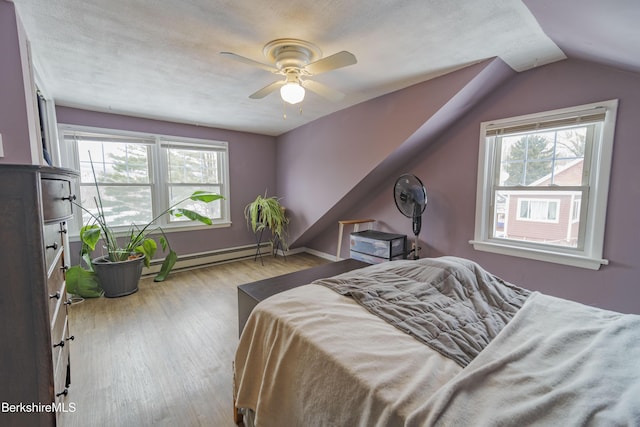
[341, 175]
[598, 31]
[160, 58]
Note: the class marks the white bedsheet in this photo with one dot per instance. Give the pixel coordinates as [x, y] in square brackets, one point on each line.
[311, 357]
[557, 363]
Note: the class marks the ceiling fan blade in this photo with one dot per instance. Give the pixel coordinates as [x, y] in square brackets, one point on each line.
[267, 89]
[248, 61]
[322, 90]
[332, 62]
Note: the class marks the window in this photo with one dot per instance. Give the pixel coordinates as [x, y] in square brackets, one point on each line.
[141, 175]
[538, 210]
[543, 182]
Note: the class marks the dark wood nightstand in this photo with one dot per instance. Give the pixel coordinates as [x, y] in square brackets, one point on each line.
[250, 294]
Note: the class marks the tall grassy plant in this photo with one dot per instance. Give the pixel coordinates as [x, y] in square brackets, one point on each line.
[267, 212]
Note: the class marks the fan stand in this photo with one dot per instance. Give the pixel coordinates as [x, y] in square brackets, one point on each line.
[417, 225]
[414, 253]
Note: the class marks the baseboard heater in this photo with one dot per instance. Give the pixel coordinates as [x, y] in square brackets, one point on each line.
[186, 262]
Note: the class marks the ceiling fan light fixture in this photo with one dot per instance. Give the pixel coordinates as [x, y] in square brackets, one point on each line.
[292, 92]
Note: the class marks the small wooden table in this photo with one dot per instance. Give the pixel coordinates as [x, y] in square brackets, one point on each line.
[250, 294]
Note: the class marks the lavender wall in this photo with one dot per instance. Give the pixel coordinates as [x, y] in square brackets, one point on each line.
[334, 158]
[448, 167]
[252, 168]
[14, 114]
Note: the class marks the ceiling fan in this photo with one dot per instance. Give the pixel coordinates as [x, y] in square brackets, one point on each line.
[297, 60]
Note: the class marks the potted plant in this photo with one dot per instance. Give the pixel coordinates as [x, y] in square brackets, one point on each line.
[267, 212]
[117, 273]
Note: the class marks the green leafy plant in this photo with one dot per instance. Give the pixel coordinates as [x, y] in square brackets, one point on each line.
[267, 212]
[136, 242]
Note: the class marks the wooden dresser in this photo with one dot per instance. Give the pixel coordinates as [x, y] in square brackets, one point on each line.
[35, 203]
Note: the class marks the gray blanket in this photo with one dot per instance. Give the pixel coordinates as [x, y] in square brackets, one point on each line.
[450, 304]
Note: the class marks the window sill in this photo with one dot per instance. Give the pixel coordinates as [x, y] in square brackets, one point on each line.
[540, 255]
[75, 237]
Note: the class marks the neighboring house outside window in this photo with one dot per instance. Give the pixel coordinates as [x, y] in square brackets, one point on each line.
[543, 181]
[141, 175]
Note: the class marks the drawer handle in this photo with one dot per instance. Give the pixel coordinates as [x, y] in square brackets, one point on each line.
[60, 344]
[71, 198]
[56, 295]
[53, 246]
[68, 302]
[64, 267]
[71, 338]
[63, 393]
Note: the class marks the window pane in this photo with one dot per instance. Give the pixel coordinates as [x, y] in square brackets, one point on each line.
[543, 158]
[114, 162]
[540, 217]
[192, 166]
[212, 210]
[123, 205]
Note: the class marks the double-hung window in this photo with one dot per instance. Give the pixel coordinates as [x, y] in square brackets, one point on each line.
[139, 176]
[543, 181]
[192, 167]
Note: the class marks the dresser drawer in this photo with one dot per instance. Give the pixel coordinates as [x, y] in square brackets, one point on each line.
[56, 199]
[58, 327]
[52, 243]
[60, 374]
[56, 292]
[60, 363]
[57, 298]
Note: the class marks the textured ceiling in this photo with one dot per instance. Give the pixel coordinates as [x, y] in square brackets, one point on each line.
[160, 58]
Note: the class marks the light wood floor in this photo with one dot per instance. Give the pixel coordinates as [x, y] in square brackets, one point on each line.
[163, 356]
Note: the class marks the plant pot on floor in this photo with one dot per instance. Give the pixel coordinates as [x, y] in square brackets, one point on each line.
[118, 278]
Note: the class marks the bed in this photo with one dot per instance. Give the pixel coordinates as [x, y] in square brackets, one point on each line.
[434, 342]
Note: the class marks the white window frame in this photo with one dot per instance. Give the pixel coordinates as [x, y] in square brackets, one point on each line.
[166, 142]
[158, 173]
[591, 254]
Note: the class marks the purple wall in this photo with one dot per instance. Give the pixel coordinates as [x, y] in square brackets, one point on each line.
[332, 161]
[448, 167]
[252, 170]
[14, 116]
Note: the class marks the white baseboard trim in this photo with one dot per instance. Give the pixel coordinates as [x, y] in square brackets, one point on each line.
[187, 262]
[202, 259]
[319, 254]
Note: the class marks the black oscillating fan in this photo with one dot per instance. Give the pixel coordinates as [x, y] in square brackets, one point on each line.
[411, 199]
